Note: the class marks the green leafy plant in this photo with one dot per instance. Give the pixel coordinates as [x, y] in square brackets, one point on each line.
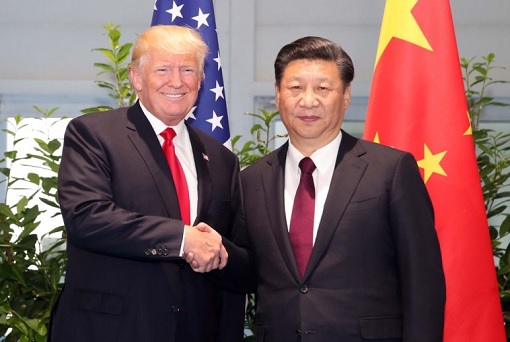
[478, 80]
[253, 150]
[249, 319]
[30, 273]
[116, 69]
[493, 158]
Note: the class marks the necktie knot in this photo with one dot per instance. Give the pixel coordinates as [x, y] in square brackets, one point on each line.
[306, 165]
[168, 134]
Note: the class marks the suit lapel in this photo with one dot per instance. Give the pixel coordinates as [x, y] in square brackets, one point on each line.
[349, 169]
[273, 185]
[142, 135]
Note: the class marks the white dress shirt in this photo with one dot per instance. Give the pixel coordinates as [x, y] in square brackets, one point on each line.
[324, 160]
[184, 152]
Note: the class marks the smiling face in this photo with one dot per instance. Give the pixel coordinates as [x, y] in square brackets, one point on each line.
[312, 100]
[167, 84]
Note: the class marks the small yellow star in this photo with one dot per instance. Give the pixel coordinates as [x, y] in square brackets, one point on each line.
[431, 163]
[469, 131]
[399, 22]
[376, 138]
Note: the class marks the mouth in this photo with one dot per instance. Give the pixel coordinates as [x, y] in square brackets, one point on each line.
[308, 118]
[173, 96]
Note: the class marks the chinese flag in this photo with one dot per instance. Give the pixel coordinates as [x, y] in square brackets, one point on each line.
[417, 103]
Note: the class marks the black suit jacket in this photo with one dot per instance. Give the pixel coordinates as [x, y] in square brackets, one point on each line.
[125, 280]
[375, 272]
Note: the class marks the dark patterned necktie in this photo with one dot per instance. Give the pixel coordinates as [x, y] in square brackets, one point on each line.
[301, 222]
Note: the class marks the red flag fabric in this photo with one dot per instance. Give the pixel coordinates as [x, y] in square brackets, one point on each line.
[417, 103]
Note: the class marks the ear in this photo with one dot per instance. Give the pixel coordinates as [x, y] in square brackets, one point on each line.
[347, 96]
[201, 77]
[135, 78]
[277, 96]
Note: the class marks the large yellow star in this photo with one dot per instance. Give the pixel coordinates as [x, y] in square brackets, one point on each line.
[398, 22]
[431, 163]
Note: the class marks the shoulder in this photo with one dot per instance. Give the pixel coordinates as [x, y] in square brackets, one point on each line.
[107, 120]
[371, 151]
[275, 159]
[386, 159]
[376, 148]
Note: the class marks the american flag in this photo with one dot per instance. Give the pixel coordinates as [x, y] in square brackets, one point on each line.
[210, 111]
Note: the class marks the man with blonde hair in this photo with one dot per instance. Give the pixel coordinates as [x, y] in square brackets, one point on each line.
[139, 189]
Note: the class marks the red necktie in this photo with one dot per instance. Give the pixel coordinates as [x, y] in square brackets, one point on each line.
[177, 173]
[301, 222]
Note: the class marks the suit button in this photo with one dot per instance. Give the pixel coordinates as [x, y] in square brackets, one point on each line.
[303, 289]
[298, 332]
[175, 308]
[151, 251]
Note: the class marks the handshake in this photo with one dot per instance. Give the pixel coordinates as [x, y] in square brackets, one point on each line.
[203, 248]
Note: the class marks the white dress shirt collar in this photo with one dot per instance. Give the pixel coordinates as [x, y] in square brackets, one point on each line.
[324, 160]
[158, 126]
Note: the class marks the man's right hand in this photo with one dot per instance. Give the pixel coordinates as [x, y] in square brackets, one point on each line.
[203, 249]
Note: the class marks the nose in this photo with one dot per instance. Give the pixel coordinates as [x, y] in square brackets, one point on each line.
[174, 78]
[308, 99]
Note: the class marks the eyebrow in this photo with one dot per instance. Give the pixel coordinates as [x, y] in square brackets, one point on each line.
[321, 79]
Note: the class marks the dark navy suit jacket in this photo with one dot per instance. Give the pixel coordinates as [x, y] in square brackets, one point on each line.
[375, 273]
[125, 280]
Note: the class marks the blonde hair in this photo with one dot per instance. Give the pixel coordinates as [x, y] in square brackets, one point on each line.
[171, 39]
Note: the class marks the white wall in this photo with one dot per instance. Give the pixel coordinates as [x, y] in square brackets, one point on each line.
[46, 57]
